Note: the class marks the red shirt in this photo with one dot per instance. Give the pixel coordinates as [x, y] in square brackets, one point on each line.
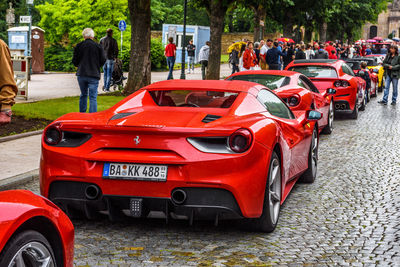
[170, 50]
[249, 59]
[333, 56]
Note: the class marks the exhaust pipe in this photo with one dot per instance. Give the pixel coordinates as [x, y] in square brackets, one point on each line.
[343, 106]
[92, 192]
[178, 196]
[337, 106]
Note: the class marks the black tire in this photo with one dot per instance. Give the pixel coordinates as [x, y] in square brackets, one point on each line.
[16, 244]
[311, 173]
[368, 95]
[354, 114]
[331, 116]
[270, 216]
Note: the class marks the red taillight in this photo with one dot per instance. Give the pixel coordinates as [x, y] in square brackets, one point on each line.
[52, 135]
[341, 83]
[240, 141]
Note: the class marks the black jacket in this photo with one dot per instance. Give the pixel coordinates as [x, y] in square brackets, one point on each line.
[300, 55]
[234, 57]
[190, 49]
[110, 47]
[88, 57]
[272, 56]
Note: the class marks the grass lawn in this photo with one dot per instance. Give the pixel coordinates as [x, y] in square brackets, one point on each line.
[54, 108]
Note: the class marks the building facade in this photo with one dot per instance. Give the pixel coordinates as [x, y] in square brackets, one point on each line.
[388, 23]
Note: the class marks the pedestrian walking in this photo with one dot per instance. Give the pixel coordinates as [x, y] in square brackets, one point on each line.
[110, 47]
[391, 64]
[88, 57]
[204, 53]
[191, 49]
[249, 58]
[273, 57]
[170, 54]
[234, 60]
[8, 88]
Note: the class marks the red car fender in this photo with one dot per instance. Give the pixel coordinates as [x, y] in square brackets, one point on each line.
[28, 206]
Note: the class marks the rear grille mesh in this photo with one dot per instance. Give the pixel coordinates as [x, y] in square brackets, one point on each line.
[210, 118]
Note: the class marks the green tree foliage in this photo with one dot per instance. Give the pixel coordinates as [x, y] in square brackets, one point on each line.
[67, 18]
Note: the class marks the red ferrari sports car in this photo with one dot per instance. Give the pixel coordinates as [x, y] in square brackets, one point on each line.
[296, 90]
[33, 231]
[331, 73]
[355, 65]
[235, 154]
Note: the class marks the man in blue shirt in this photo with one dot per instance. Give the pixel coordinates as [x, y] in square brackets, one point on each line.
[273, 57]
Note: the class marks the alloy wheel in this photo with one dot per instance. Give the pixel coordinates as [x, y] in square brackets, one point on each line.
[314, 153]
[274, 190]
[32, 254]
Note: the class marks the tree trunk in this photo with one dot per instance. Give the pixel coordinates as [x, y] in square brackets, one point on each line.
[322, 31]
[308, 34]
[216, 13]
[139, 64]
[288, 26]
[259, 14]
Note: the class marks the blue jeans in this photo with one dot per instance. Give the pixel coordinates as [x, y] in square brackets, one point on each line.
[387, 87]
[88, 85]
[170, 63]
[191, 62]
[108, 70]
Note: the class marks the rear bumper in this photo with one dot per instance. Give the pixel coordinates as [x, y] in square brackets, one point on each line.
[200, 202]
[243, 176]
[345, 99]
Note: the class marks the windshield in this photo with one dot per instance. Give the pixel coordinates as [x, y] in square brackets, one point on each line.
[271, 81]
[354, 65]
[192, 98]
[314, 71]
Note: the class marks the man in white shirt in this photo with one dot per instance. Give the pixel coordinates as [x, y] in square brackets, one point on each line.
[351, 50]
[263, 52]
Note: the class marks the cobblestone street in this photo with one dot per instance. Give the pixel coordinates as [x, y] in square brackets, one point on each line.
[349, 216]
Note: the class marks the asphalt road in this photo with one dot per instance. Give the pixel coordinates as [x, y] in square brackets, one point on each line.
[349, 216]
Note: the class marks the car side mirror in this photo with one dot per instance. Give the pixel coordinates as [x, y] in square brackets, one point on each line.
[331, 91]
[313, 115]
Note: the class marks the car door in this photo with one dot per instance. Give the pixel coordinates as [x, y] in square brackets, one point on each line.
[294, 135]
[320, 102]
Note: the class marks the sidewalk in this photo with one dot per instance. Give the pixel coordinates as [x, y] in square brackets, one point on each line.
[56, 85]
[20, 159]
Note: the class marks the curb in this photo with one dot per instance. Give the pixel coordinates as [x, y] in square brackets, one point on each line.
[19, 179]
[18, 136]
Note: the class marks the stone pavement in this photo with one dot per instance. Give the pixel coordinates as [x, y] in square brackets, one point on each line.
[350, 216]
[55, 85]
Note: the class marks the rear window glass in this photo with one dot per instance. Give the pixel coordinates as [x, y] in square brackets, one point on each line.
[271, 81]
[316, 71]
[196, 99]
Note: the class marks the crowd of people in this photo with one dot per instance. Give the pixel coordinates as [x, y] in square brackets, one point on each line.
[276, 55]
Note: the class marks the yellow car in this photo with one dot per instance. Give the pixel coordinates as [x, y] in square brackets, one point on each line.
[373, 62]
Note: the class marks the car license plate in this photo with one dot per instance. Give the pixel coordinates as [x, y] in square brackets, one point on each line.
[135, 171]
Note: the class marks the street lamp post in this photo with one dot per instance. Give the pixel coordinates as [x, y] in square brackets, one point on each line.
[29, 3]
[183, 76]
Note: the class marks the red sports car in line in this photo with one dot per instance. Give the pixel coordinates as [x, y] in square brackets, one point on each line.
[331, 73]
[234, 154]
[33, 231]
[296, 90]
[355, 65]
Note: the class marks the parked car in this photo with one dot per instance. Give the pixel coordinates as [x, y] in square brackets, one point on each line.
[296, 90]
[233, 154]
[331, 73]
[355, 65]
[34, 231]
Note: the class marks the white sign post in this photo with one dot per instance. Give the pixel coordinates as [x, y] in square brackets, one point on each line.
[122, 28]
[25, 19]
